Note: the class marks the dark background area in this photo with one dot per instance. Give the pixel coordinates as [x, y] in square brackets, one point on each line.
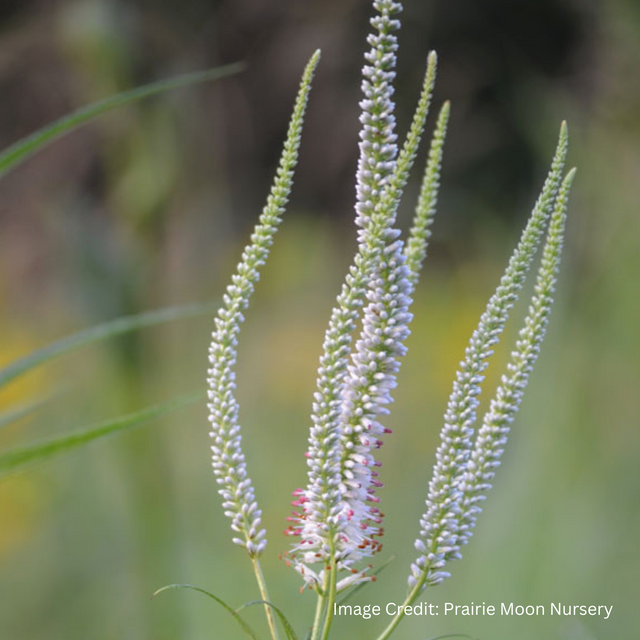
[497, 60]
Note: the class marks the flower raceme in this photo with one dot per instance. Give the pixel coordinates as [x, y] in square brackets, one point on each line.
[229, 463]
[337, 524]
[485, 457]
[321, 516]
[445, 525]
[337, 519]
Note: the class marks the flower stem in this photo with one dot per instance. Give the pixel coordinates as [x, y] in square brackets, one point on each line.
[265, 596]
[331, 598]
[397, 619]
[317, 621]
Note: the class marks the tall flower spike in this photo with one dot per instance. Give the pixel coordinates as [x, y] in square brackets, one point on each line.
[373, 241]
[319, 518]
[229, 464]
[438, 541]
[376, 358]
[492, 436]
[416, 249]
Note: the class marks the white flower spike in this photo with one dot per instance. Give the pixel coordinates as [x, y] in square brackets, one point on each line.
[492, 436]
[229, 463]
[447, 521]
[335, 521]
[319, 520]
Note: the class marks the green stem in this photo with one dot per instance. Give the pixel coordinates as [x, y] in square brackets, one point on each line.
[413, 594]
[331, 598]
[317, 621]
[265, 596]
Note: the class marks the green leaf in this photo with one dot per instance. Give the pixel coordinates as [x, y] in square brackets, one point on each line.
[245, 627]
[109, 329]
[362, 585]
[286, 625]
[22, 411]
[16, 459]
[26, 147]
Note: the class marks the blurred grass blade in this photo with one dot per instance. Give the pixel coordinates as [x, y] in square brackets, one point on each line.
[100, 332]
[362, 585]
[26, 147]
[245, 627]
[15, 459]
[22, 411]
[286, 625]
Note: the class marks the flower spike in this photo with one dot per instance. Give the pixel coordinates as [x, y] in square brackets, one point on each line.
[375, 361]
[229, 464]
[337, 523]
[332, 523]
[318, 522]
[438, 541]
[492, 436]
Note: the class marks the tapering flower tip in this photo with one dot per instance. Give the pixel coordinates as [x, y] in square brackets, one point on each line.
[414, 137]
[564, 130]
[563, 145]
[378, 147]
[570, 177]
[228, 460]
[416, 249]
[387, 207]
[492, 436]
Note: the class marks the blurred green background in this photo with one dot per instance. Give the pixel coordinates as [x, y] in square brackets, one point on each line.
[151, 206]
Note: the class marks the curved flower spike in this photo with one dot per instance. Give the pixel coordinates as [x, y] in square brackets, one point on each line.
[492, 436]
[438, 541]
[229, 464]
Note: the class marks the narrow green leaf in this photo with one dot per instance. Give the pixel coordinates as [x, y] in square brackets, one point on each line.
[109, 329]
[22, 411]
[362, 585]
[245, 627]
[286, 625]
[15, 459]
[26, 147]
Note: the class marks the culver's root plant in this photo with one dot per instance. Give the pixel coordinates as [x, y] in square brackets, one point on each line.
[337, 525]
